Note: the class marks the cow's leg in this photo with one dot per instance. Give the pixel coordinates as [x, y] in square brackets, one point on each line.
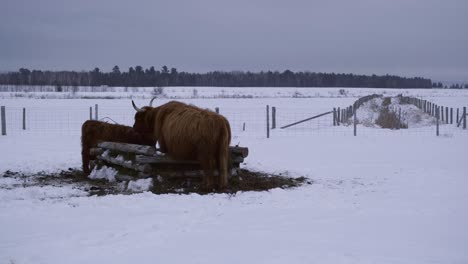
[162, 144]
[85, 158]
[207, 166]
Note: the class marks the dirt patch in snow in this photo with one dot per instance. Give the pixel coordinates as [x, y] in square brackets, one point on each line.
[245, 181]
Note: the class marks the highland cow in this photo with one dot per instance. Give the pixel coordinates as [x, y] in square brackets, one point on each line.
[94, 131]
[186, 132]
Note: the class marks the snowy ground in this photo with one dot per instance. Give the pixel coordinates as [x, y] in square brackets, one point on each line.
[393, 197]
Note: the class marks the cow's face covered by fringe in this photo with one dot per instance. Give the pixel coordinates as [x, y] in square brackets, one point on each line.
[144, 120]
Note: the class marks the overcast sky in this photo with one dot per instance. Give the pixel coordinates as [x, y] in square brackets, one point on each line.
[426, 38]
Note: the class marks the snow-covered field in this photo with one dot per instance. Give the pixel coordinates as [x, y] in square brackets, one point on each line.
[53, 114]
[41, 92]
[380, 197]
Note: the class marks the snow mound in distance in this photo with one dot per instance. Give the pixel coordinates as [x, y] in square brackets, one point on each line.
[414, 117]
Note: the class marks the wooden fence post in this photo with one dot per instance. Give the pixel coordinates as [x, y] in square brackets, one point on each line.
[458, 116]
[442, 113]
[3, 121]
[437, 122]
[464, 117]
[354, 121]
[96, 112]
[268, 120]
[90, 113]
[334, 116]
[446, 115]
[399, 118]
[243, 127]
[24, 118]
[273, 117]
[451, 115]
[338, 116]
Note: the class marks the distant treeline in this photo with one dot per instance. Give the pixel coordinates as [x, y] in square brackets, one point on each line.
[139, 77]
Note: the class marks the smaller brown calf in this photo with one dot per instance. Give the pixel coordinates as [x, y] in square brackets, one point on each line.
[94, 131]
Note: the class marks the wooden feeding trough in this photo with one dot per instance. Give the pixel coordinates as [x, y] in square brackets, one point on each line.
[138, 161]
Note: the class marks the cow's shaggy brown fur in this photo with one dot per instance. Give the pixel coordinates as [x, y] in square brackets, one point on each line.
[187, 132]
[93, 131]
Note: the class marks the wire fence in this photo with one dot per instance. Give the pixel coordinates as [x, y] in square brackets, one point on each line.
[244, 121]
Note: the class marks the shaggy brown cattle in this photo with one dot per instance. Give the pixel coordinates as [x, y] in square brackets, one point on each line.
[93, 131]
[187, 132]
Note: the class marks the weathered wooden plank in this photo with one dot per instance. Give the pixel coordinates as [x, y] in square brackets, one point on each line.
[126, 147]
[145, 175]
[123, 177]
[125, 163]
[186, 173]
[237, 159]
[237, 156]
[148, 150]
[244, 152]
[159, 159]
[194, 173]
[143, 159]
[96, 151]
[173, 174]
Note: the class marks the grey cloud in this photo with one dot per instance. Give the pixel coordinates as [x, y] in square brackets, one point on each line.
[405, 37]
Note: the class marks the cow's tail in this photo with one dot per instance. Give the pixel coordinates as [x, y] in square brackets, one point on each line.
[223, 161]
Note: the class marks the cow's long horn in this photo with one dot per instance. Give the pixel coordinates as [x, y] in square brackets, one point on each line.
[136, 108]
[151, 102]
